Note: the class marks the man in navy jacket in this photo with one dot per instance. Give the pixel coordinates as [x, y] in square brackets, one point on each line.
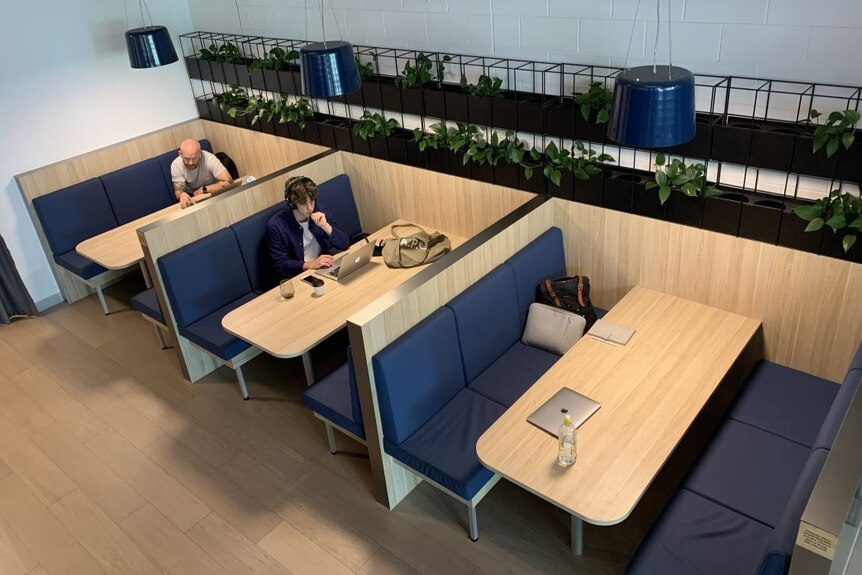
[303, 235]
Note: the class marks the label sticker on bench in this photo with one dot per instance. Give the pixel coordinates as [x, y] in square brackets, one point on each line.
[816, 540]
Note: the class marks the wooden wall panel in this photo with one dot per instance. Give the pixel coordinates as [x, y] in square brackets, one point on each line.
[386, 192]
[811, 319]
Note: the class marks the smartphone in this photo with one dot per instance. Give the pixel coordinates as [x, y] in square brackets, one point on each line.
[312, 281]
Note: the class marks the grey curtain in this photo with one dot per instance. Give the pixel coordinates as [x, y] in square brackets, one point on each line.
[15, 300]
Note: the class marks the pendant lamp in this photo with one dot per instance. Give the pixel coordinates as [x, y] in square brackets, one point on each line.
[328, 68]
[149, 46]
[654, 105]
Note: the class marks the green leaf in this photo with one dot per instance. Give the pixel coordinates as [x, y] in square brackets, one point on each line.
[819, 140]
[851, 116]
[689, 189]
[528, 172]
[847, 139]
[602, 117]
[831, 148]
[814, 225]
[663, 194]
[661, 178]
[848, 242]
[711, 191]
[808, 213]
[650, 185]
[836, 222]
[659, 159]
[585, 112]
[814, 114]
[582, 175]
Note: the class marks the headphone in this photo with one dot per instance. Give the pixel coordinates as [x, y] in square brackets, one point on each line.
[288, 188]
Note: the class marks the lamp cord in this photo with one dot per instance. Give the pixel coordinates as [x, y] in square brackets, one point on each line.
[657, 28]
[632, 34]
[669, 46]
[239, 17]
[322, 25]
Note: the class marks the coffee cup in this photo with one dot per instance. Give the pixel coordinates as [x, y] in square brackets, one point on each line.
[318, 291]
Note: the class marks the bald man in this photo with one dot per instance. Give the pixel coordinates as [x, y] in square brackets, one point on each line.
[196, 172]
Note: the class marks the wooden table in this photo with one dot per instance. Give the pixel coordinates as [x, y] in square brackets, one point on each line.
[291, 328]
[650, 390]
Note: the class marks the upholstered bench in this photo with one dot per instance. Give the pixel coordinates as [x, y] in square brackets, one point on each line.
[335, 400]
[337, 195]
[738, 510]
[147, 302]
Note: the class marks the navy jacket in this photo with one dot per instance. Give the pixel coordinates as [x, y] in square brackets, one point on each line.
[284, 235]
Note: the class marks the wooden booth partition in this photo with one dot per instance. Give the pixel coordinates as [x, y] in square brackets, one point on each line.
[254, 153]
[172, 233]
[809, 304]
[388, 318]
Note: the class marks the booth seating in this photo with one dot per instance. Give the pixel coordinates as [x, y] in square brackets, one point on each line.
[210, 277]
[337, 195]
[335, 400]
[445, 381]
[87, 209]
[739, 509]
[147, 302]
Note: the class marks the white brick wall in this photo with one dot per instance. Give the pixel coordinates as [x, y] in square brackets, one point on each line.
[778, 39]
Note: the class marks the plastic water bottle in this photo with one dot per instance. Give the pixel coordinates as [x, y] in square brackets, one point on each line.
[568, 441]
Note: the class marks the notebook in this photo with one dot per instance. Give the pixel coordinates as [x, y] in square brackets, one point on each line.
[348, 264]
[549, 416]
[611, 333]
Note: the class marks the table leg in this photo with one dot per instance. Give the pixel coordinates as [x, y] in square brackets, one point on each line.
[309, 369]
[577, 536]
[147, 281]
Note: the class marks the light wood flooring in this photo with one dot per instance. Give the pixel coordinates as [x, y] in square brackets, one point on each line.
[110, 462]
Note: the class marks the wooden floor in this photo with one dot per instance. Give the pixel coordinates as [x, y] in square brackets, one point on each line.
[110, 462]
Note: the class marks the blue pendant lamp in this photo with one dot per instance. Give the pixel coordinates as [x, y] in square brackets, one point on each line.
[653, 105]
[149, 46]
[328, 68]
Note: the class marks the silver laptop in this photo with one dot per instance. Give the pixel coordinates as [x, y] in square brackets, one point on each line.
[348, 264]
[549, 416]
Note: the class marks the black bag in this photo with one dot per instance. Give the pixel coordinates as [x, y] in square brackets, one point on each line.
[571, 294]
[228, 164]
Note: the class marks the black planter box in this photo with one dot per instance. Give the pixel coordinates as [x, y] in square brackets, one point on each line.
[289, 81]
[396, 147]
[618, 190]
[483, 172]
[438, 160]
[412, 155]
[536, 184]
[433, 102]
[590, 191]
[256, 79]
[699, 146]
[243, 77]
[368, 96]
[266, 126]
[343, 134]
[360, 146]
[762, 144]
[806, 161]
[379, 147]
[327, 134]
[832, 246]
[411, 101]
[588, 130]
[270, 81]
[311, 132]
[531, 117]
[242, 121]
[216, 71]
[390, 96]
[479, 110]
[850, 163]
[565, 190]
[560, 118]
[682, 209]
[646, 202]
[722, 213]
[289, 130]
[761, 219]
[204, 109]
[505, 111]
[793, 234]
[193, 67]
[456, 107]
[457, 167]
[507, 175]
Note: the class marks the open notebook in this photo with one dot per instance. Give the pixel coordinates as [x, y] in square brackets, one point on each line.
[610, 332]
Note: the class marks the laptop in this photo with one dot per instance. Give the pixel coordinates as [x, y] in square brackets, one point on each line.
[549, 416]
[348, 264]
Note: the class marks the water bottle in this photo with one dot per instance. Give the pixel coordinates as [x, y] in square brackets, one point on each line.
[568, 441]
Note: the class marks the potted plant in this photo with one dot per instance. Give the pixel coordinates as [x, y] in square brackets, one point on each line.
[485, 155]
[370, 133]
[410, 82]
[221, 61]
[840, 211]
[368, 96]
[458, 140]
[265, 71]
[230, 103]
[676, 176]
[760, 143]
[586, 165]
[478, 98]
[262, 110]
[435, 145]
[594, 111]
[296, 118]
[839, 158]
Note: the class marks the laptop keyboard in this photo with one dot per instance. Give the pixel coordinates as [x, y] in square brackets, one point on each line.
[334, 271]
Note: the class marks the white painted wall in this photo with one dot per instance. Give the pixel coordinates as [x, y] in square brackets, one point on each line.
[68, 89]
[777, 39]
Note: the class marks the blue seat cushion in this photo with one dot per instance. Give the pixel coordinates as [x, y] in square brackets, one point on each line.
[838, 409]
[165, 160]
[208, 333]
[332, 397]
[137, 190]
[417, 374]
[749, 470]
[204, 276]
[251, 237]
[337, 195]
[147, 302]
[542, 258]
[74, 214]
[697, 536]
[444, 449]
[487, 317]
[79, 265]
[513, 373]
[784, 401]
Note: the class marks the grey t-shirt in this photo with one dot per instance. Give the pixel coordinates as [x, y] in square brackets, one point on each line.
[206, 173]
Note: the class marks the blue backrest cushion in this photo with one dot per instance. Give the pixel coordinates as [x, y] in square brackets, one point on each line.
[838, 409]
[74, 214]
[165, 160]
[418, 374]
[137, 190]
[354, 391]
[337, 195]
[542, 258]
[487, 317]
[204, 276]
[251, 236]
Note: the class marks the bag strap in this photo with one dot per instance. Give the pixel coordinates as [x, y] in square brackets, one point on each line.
[552, 294]
[581, 292]
[396, 226]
